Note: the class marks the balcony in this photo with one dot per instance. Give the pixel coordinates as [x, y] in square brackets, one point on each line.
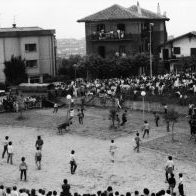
[110, 36]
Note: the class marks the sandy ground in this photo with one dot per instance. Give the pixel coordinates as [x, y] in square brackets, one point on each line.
[131, 171]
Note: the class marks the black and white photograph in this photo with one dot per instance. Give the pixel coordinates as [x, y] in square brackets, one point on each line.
[98, 98]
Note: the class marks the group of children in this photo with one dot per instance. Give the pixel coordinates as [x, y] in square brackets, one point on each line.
[9, 150]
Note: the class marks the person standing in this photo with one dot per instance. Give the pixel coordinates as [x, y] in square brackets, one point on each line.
[137, 142]
[180, 185]
[38, 158]
[39, 142]
[112, 150]
[10, 151]
[146, 128]
[156, 119]
[73, 164]
[80, 116]
[23, 169]
[55, 108]
[5, 145]
[124, 117]
[172, 183]
[169, 168]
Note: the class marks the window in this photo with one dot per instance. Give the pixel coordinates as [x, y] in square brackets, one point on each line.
[121, 27]
[193, 51]
[30, 47]
[176, 50]
[100, 27]
[31, 63]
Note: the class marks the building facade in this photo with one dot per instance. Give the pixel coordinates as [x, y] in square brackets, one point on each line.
[124, 31]
[36, 45]
[172, 52]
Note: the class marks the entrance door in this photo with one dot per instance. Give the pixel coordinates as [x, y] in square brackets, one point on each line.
[101, 51]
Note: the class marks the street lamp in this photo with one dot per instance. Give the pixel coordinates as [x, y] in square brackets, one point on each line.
[69, 103]
[143, 94]
[150, 26]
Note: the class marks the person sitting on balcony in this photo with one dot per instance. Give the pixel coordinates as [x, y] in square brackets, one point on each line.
[111, 34]
[119, 32]
[122, 35]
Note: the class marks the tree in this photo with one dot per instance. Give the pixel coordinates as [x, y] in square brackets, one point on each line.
[15, 71]
[171, 117]
[20, 101]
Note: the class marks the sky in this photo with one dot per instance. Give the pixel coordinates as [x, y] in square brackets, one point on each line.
[62, 15]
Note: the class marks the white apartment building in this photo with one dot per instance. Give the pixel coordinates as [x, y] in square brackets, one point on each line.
[176, 48]
[34, 44]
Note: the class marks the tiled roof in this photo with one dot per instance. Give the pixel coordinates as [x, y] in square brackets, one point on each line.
[12, 29]
[146, 13]
[117, 12]
[189, 34]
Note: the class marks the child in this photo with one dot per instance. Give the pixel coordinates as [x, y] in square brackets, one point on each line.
[39, 142]
[55, 108]
[80, 117]
[172, 183]
[169, 168]
[5, 145]
[137, 142]
[180, 185]
[10, 152]
[146, 128]
[73, 162]
[113, 148]
[38, 157]
[156, 119]
[23, 169]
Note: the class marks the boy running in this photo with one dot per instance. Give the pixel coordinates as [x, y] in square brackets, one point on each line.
[137, 142]
[146, 128]
[73, 162]
[39, 142]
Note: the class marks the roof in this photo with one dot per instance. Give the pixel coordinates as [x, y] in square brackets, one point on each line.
[11, 29]
[117, 12]
[25, 31]
[147, 13]
[189, 34]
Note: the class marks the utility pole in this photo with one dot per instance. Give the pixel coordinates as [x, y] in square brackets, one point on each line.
[150, 26]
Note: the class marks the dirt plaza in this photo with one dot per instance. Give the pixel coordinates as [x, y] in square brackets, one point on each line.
[131, 171]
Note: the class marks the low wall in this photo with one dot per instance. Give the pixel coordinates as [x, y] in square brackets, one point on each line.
[136, 105]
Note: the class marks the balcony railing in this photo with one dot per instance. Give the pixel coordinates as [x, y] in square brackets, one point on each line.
[110, 36]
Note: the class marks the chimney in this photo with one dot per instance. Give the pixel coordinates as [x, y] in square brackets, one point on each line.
[14, 23]
[138, 8]
[158, 9]
[165, 14]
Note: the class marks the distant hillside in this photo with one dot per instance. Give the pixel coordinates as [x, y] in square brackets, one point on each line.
[67, 47]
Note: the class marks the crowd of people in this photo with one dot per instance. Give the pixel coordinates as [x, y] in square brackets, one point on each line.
[66, 191]
[11, 103]
[180, 85]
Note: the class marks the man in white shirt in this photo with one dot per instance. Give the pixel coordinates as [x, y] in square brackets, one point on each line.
[169, 168]
[10, 151]
[73, 162]
[112, 150]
